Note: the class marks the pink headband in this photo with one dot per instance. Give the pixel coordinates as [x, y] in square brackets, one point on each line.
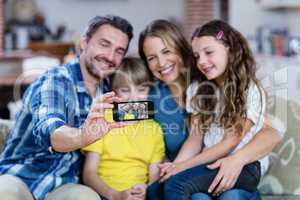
[219, 35]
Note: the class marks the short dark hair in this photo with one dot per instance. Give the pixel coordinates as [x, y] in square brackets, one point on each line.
[115, 21]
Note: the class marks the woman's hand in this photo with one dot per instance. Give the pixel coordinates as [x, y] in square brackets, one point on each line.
[230, 168]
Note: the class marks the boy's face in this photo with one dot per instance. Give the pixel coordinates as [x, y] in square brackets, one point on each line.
[132, 92]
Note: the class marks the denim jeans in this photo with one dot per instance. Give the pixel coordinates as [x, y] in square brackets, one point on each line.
[234, 194]
[198, 179]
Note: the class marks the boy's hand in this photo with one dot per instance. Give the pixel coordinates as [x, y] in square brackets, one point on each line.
[125, 195]
[95, 126]
[139, 191]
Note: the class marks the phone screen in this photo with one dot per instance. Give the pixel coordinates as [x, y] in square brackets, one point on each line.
[133, 110]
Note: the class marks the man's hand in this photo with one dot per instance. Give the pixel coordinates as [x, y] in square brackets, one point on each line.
[230, 168]
[95, 126]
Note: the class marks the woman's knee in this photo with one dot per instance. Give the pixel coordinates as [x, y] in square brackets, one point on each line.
[13, 188]
[73, 192]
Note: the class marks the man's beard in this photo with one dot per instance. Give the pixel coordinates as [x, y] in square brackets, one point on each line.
[91, 70]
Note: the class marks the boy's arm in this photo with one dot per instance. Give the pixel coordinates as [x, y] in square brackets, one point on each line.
[153, 173]
[91, 178]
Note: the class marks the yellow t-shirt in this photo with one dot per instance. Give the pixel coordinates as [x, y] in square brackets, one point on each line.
[127, 152]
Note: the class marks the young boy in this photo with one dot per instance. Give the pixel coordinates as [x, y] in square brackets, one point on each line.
[125, 161]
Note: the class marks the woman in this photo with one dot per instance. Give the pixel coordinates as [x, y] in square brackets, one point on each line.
[169, 57]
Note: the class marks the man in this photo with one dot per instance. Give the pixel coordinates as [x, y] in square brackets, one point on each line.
[59, 116]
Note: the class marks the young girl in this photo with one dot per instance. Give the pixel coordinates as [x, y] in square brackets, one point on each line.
[121, 164]
[227, 106]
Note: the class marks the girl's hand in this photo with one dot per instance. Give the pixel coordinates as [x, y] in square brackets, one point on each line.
[230, 168]
[175, 168]
[163, 168]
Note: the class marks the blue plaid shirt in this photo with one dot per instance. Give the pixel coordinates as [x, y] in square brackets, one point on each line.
[58, 98]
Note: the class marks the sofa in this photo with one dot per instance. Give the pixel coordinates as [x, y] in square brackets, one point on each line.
[282, 181]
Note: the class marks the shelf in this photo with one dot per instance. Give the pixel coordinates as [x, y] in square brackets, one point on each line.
[280, 4]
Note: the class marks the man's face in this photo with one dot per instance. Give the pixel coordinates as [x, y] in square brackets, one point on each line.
[104, 51]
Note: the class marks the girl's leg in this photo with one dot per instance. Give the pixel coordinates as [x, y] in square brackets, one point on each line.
[198, 179]
[183, 185]
[201, 196]
[239, 194]
[249, 177]
[155, 191]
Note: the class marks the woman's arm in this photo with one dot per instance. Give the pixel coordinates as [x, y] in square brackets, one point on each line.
[230, 167]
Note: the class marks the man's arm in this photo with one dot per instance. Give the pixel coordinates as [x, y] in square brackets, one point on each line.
[65, 138]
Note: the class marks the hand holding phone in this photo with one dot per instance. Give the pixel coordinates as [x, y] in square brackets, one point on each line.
[133, 110]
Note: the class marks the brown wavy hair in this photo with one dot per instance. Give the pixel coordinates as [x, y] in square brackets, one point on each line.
[240, 71]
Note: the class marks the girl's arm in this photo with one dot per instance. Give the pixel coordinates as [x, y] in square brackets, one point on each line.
[230, 141]
[193, 145]
[91, 178]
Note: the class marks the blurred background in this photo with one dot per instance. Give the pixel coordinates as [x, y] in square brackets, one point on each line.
[38, 34]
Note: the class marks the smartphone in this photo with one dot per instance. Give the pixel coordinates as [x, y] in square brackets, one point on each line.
[133, 110]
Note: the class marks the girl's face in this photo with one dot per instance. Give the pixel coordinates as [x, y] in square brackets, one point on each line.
[132, 92]
[162, 59]
[211, 56]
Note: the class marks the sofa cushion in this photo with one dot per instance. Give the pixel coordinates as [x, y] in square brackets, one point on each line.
[284, 172]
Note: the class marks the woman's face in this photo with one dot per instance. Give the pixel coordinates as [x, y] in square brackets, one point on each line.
[163, 61]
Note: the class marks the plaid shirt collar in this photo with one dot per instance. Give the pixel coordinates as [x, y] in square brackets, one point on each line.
[74, 68]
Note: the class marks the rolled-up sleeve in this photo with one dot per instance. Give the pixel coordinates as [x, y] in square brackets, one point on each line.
[49, 107]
